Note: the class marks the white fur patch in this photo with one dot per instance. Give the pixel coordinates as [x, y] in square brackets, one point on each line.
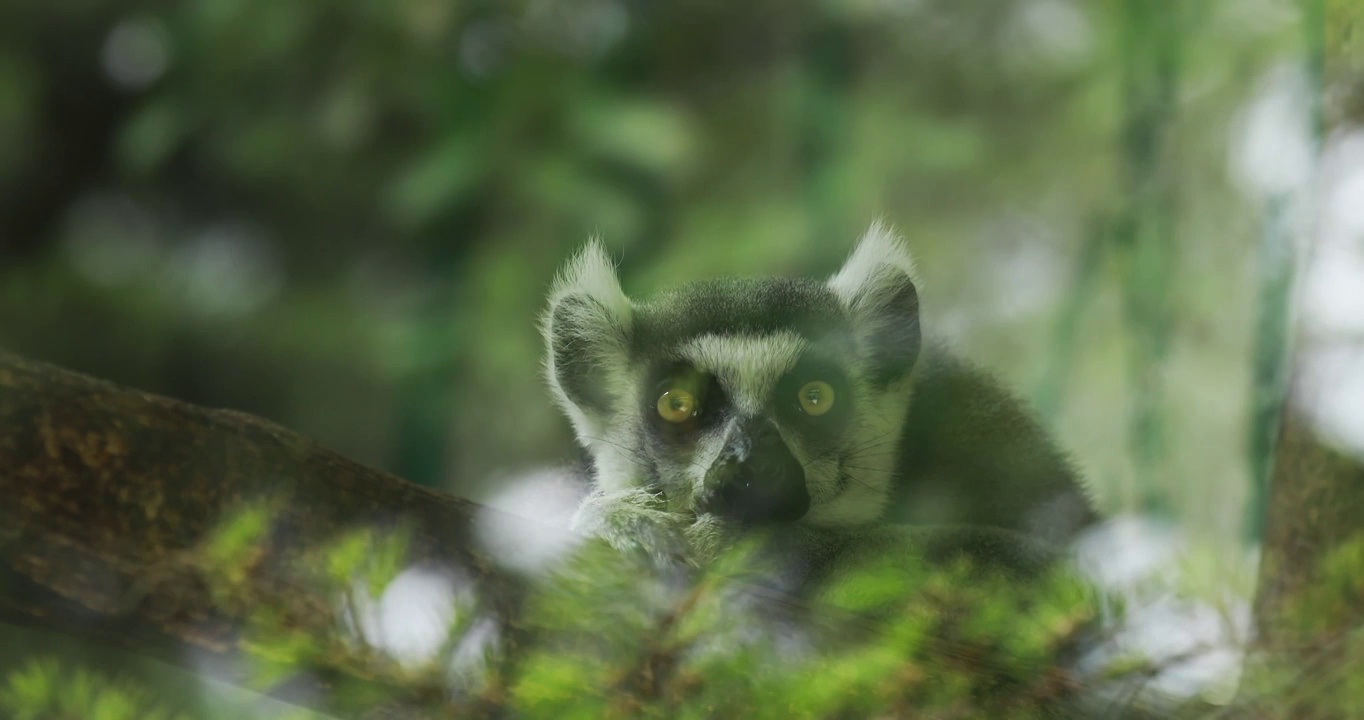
[601, 325]
[619, 465]
[879, 248]
[749, 366]
[592, 273]
[866, 462]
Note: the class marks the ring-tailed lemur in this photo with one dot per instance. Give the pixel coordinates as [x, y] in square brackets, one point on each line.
[788, 400]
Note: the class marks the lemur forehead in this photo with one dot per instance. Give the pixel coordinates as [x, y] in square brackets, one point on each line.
[735, 307]
[748, 366]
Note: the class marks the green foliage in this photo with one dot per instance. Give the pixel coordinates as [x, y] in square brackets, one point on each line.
[364, 553]
[1337, 593]
[231, 549]
[605, 635]
[892, 635]
[43, 690]
[873, 587]
[1316, 646]
[609, 635]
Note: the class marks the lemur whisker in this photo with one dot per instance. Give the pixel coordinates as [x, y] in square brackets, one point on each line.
[630, 454]
[634, 455]
[868, 444]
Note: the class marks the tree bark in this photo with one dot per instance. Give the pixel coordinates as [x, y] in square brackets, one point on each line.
[108, 492]
[1316, 505]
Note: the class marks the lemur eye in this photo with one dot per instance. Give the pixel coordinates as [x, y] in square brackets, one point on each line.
[816, 397]
[677, 405]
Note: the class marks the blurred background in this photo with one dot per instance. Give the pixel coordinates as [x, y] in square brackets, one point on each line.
[343, 216]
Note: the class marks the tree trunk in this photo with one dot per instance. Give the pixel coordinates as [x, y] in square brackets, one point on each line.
[1315, 508]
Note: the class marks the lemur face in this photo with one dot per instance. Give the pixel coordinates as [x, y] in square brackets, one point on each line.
[760, 400]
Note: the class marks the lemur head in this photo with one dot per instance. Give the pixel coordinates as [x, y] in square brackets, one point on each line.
[761, 400]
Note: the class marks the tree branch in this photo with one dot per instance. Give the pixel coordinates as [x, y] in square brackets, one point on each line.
[108, 492]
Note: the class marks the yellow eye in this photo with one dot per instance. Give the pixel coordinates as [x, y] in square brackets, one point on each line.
[816, 397]
[677, 406]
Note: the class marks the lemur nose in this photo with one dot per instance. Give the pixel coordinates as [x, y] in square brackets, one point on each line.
[767, 486]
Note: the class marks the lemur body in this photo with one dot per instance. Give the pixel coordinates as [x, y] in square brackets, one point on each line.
[789, 401]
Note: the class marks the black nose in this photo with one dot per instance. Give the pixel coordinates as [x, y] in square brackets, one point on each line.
[766, 487]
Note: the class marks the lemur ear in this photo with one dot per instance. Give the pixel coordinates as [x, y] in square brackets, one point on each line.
[586, 328]
[876, 287]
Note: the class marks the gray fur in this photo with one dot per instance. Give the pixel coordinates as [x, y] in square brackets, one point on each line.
[923, 437]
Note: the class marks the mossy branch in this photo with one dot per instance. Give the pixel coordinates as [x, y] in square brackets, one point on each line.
[111, 494]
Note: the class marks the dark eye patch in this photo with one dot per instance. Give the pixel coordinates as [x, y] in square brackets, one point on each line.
[813, 366]
[710, 397]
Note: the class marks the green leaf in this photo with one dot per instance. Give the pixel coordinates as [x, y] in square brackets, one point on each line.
[651, 135]
[151, 135]
[437, 180]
